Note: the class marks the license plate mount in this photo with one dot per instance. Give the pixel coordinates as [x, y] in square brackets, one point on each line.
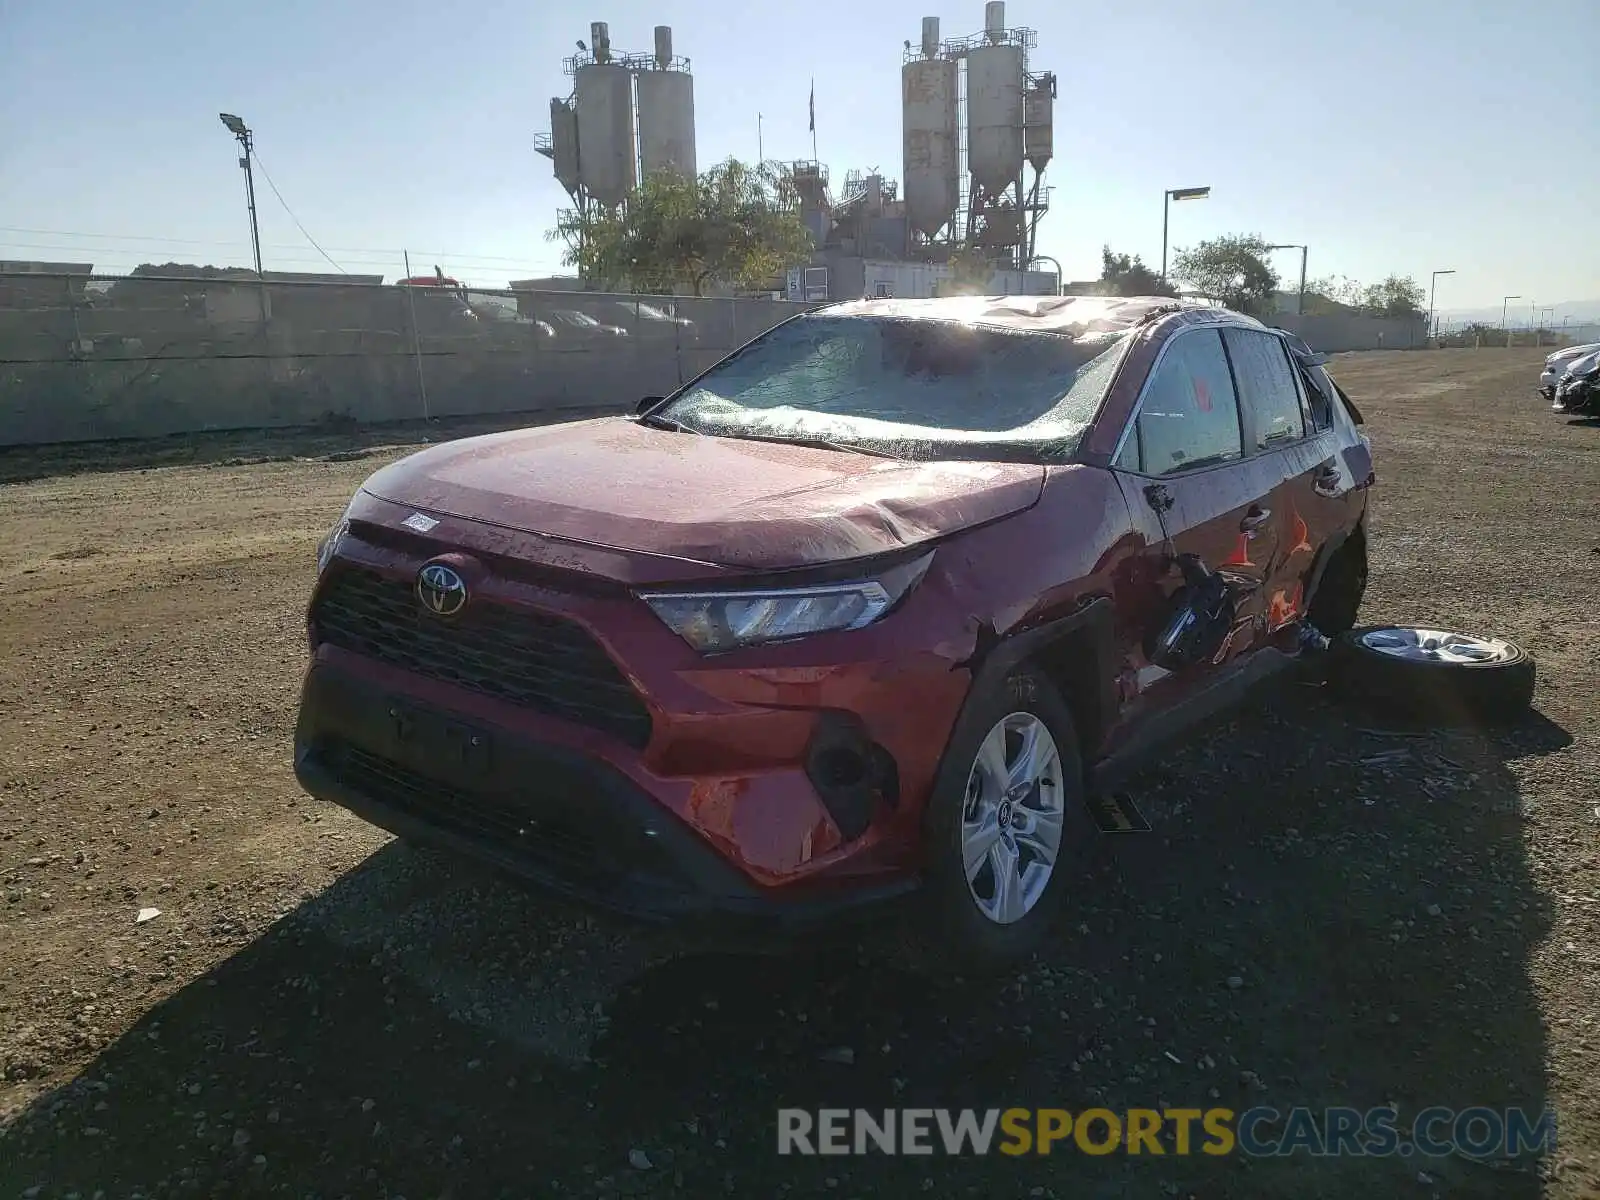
[436, 742]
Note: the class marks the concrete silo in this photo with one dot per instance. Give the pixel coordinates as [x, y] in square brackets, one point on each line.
[563, 144]
[995, 78]
[930, 91]
[666, 112]
[984, 82]
[603, 95]
[1038, 106]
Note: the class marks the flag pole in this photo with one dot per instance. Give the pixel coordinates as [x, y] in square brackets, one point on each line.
[761, 153]
[813, 118]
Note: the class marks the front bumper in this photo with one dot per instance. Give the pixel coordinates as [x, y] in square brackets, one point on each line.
[544, 813]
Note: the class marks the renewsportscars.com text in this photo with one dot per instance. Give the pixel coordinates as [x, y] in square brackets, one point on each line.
[1478, 1132]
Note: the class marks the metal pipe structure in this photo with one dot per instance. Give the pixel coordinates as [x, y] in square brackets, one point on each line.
[1186, 193]
[1060, 278]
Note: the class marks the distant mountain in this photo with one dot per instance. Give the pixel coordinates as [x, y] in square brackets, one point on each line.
[1573, 312]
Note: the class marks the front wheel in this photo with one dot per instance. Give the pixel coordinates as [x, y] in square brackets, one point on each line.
[1007, 826]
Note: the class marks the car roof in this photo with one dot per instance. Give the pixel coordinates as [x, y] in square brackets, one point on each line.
[1037, 314]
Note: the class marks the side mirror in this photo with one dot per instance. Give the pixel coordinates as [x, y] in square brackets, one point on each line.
[646, 404]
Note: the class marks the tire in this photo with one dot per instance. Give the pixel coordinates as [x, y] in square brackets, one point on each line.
[956, 932]
[1337, 601]
[1449, 691]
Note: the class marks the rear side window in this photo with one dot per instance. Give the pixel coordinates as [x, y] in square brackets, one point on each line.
[1319, 396]
[1267, 385]
[1189, 416]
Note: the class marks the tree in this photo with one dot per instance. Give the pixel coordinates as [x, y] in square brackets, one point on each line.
[1121, 275]
[736, 224]
[1332, 292]
[1231, 269]
[1396, 296]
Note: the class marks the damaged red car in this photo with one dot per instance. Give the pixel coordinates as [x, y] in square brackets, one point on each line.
[878, 606]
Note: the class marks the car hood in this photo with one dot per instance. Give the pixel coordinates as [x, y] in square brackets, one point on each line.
[1571, 352]
[617, 484]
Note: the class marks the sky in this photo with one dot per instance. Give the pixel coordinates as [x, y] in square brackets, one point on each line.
[1390, 136]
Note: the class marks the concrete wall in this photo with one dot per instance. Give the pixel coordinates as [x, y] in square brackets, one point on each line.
[1338, 333]
[151, 357]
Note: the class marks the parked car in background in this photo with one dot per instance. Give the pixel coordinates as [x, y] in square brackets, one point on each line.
[1578, 391]
[873, 607]
[1557, 364]
[438, 304]
[647, 317]
[503, 314]
[569, 322]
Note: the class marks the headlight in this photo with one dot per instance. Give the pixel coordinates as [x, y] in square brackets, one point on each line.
[329, 546]
[726, 620]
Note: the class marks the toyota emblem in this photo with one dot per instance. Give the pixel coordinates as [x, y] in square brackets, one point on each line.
[442, 591]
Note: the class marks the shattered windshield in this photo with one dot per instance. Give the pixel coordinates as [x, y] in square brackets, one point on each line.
[917, 388]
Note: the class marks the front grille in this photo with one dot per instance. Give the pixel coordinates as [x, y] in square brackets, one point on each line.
[531, 659]
[547, 838]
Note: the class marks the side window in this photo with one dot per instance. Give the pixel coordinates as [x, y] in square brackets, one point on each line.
[1319, 394]
[1266, 385]
[1189, 416]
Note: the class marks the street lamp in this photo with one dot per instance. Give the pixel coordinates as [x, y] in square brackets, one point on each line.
[1433, 288]
[1188, 193]
[1300, 305]
[242, 133]
[1060, 278]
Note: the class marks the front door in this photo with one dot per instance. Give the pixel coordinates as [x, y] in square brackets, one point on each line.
[1187, 439]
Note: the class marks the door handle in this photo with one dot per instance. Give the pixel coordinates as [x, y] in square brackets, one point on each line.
[1254, 519]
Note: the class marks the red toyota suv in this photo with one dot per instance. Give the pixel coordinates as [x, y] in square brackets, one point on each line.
[879, 604]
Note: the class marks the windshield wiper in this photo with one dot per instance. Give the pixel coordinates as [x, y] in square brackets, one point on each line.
[658, 421]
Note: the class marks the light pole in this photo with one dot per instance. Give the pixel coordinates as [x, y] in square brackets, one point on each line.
[1060, 278]
[1300, 305]
[242, 133]
[1433, 289]
[1503, 324]
[1188, 193]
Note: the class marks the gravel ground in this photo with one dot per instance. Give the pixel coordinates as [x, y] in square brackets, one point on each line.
[1327, 913]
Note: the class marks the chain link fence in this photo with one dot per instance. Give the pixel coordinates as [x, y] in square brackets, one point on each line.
[85, 357]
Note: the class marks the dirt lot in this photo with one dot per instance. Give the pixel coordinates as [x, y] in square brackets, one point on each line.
[1326, 913]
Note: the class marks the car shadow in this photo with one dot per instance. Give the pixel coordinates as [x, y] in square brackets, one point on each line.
[1328, 913]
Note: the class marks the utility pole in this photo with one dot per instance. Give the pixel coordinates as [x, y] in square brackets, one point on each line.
[246, 141]
[1167, 197]
[1433, 289]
